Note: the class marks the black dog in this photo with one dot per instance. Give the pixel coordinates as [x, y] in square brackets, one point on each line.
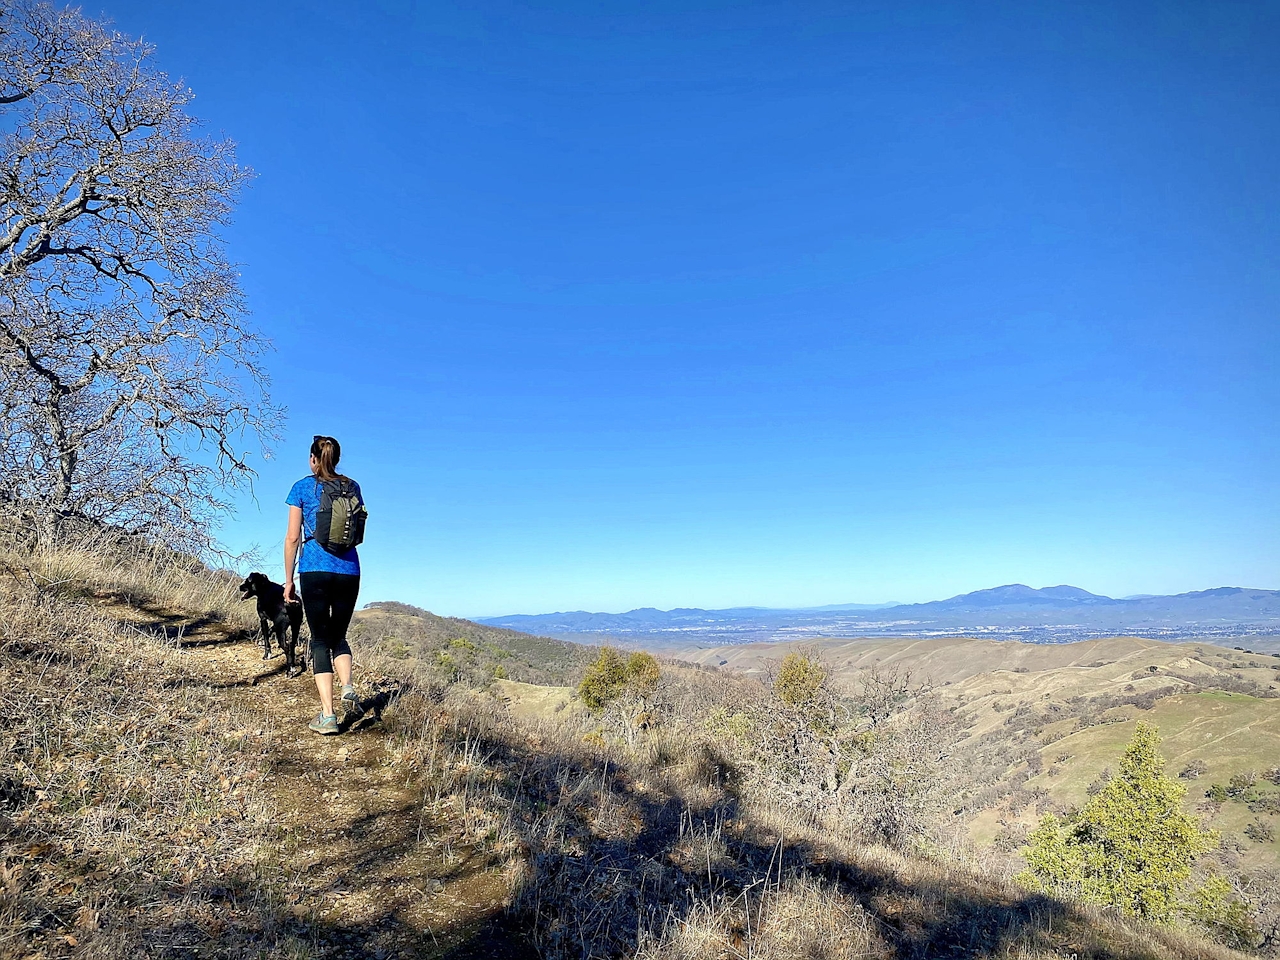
[283, 619]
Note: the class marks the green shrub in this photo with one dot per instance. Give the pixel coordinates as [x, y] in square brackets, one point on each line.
[642, 673]
[1243, 786]
[724, 725]
[610, 677]
[1215, 907]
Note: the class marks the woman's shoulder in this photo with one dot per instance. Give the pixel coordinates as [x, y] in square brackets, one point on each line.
[301, 487]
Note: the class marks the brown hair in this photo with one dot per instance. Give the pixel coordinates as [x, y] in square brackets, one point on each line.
[327, 452]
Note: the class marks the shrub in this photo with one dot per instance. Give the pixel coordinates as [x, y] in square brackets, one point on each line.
[1261, 831]
[643, 673]
[1242, 785]
[1217, 793]
[1215, 907]
[1096, 786]
[1131, 846]
[610, 677]
[604, 680]
[799, 679]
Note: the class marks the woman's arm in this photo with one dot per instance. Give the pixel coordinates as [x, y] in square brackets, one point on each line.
[292, 539]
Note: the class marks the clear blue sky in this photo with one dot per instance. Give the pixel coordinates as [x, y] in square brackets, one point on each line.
[783, 304]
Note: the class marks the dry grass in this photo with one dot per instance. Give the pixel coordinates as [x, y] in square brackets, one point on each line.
[798, 917]
[137, 818]
[648, 852]
[134, 814]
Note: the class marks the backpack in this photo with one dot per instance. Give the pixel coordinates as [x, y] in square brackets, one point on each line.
[341, 516]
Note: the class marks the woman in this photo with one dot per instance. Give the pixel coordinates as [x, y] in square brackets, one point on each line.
[330, 584]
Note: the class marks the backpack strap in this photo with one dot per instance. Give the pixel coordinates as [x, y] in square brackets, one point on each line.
[311, 536]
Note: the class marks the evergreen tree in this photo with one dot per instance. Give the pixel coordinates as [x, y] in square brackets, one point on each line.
[1131, 846]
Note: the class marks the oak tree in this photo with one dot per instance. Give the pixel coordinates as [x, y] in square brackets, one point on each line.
[132, 390]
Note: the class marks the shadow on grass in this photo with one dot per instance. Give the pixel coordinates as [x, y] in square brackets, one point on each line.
[607, 857]
[610, 857]
[591, 887]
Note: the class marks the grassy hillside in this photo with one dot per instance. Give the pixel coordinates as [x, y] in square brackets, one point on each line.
[163, 798]
[1216, 735]
[453, 649]
[948, 660]
[1045, 723]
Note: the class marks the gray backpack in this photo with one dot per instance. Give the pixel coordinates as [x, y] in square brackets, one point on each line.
[340, 519]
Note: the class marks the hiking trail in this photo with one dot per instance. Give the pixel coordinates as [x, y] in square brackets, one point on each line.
[363, 860]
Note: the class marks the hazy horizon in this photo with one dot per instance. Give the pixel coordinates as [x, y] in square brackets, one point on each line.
[833, 604]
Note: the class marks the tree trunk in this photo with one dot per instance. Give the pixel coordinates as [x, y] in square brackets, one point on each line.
[68, 456]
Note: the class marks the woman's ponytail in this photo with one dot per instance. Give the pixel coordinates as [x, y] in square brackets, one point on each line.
[327, 453]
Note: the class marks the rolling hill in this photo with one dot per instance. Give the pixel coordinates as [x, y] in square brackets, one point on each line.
[1044, 721]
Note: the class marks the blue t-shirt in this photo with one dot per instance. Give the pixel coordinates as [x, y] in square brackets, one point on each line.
[315, 558]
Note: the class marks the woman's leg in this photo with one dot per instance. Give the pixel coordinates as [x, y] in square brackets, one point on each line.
[316, 604]
[343, 591]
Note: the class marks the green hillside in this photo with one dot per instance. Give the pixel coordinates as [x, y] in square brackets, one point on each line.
[454, 649]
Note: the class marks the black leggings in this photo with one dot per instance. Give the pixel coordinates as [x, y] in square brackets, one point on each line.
[329, 600]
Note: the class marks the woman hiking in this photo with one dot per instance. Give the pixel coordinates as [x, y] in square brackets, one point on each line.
[329, 570]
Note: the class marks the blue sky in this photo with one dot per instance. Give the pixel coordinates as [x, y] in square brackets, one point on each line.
[779, 304]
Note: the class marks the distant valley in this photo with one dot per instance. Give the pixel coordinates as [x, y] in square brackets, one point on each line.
[1015, 612]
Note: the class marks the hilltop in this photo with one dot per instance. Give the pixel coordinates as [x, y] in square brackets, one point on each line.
[453, 646]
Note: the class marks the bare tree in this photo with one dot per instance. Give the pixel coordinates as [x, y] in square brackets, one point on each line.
[872, 757]
[133, 389]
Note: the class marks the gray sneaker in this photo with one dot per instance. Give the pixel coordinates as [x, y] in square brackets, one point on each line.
[350, 701]
[326, 724]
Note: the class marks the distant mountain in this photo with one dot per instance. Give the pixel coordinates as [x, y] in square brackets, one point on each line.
[855, 606]
[1015, 610]
[1012, 594]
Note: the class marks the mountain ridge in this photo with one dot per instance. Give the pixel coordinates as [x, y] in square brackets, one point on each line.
[1015, 610]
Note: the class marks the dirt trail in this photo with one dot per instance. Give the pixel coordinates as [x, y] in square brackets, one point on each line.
[364, 864]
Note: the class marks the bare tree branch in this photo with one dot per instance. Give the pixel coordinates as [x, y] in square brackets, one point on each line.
[132, 386]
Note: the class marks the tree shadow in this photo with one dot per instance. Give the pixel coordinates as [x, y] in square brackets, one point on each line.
[608, 855]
